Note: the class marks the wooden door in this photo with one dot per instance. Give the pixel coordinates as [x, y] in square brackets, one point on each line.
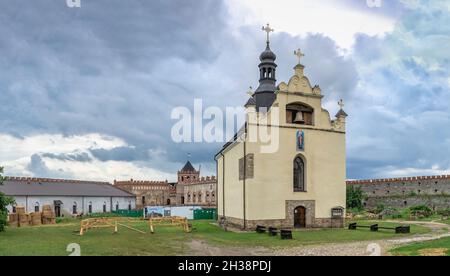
[300, 217]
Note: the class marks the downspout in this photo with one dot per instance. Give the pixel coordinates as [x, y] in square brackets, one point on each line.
[244, 190]
[223, 184]
[245, 177]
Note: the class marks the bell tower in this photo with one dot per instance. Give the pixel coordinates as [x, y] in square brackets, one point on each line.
[265, 94]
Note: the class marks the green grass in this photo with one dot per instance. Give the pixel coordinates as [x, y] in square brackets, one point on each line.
[53, 240]
[210, 233]
[414, 249]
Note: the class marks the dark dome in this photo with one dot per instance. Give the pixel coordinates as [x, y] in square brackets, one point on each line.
[268, 55]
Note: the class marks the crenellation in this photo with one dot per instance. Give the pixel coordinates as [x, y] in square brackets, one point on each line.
[390, 191]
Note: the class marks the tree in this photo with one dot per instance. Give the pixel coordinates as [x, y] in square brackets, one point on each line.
[355, 197]
[4, 202]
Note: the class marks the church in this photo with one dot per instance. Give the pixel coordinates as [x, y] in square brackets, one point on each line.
[300, 184]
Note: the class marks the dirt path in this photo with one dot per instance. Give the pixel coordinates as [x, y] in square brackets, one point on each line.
[363, 248]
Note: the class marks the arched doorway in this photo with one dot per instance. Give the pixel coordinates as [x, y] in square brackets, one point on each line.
[300, 217]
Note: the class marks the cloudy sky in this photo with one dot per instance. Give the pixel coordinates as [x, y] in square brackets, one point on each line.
[87, 92]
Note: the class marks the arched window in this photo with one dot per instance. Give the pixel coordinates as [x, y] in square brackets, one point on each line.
[36, 207]
[90, 208]
[299, 175]
[299, 113]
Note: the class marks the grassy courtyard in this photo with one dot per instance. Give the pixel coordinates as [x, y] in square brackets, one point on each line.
[53, 240]
[439, 247]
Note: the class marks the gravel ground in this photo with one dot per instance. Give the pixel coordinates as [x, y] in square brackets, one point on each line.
[366, 248]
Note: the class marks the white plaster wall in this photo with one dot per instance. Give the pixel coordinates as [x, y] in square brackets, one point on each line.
[68, 202]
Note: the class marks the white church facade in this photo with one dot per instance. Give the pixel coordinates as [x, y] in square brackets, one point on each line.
[301, 181]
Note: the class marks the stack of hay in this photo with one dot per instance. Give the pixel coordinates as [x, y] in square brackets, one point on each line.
[24, 218]
[36, 219]
[48, 216]
[13, 220]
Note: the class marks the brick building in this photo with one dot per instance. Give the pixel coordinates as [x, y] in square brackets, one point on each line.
[433, 191]
[191, 189]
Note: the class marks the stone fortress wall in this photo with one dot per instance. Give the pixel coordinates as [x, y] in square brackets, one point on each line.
[433, 191]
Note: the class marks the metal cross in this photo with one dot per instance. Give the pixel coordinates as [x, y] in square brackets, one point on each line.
[299, 54]
[341, 104]
[250, 91]
[268, 30]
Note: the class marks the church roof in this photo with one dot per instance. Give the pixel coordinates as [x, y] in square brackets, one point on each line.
[251, 102]
[188, 167]
[341, 113]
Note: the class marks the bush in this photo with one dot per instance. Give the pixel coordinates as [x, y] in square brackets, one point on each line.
[380, 208]
[444, 213]
[421, 210]
[4, 202]
[355, 198]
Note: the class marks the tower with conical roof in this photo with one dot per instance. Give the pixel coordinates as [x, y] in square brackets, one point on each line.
[188, 174]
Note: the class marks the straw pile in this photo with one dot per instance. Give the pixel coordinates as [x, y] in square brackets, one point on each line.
[20, 210]
[24, 220]
[13, 220]
[36, 219]
[48, 216]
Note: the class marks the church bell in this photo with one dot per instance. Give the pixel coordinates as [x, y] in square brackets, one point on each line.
[299, 117]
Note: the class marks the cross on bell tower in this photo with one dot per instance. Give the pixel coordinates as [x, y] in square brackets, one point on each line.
[299, 54]
[341, 103]
[268, 30]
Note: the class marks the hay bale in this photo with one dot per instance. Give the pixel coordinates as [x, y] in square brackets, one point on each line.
[24, 220]
[36, 219]
[47, 208]
[48, 221]
[13, 220]
[20, 210]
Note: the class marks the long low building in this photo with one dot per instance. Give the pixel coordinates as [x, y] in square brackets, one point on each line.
[67, 197]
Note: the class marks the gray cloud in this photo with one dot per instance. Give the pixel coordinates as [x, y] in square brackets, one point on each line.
[119, 67]
[38, 168]
[78, 157]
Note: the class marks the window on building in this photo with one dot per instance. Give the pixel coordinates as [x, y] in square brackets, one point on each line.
[117, 206]
[299, 113]
[74, 209]
[143, 200]
[14, 209]
[129, 206]
[104, 207]
[36, 207]
[90, 208]
[299, 175]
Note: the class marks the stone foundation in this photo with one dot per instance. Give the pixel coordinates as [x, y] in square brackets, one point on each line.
[280, 223]
[288, 222]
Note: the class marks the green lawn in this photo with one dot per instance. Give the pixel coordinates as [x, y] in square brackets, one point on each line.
[53, 240]
[417, 249]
